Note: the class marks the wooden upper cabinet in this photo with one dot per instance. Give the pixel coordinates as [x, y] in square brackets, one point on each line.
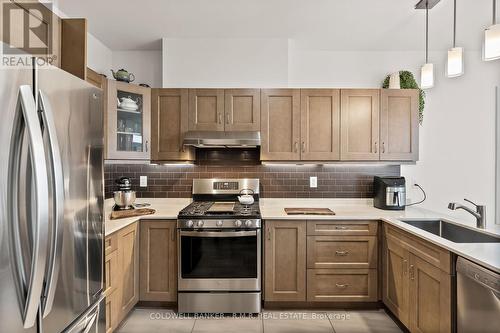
[158, 261]
[285, 261]
[320, 124]
[360, 124]
[206, 109]
[169, 123]
[399, 124]
[280, 124]
[128, 130]
[74, 46]
[95, 78]
[242, 109]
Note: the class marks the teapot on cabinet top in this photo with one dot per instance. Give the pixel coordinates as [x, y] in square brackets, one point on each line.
[123, 75]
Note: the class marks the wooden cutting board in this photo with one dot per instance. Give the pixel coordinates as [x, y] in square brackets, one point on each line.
[121, 214]
[309, 211]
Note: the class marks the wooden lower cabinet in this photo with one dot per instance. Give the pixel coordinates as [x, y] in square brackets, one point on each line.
[111, 282]
[158, 260]
[128, 261]
[285, 261]
[416, 288]
[430, 292]
[342, 285]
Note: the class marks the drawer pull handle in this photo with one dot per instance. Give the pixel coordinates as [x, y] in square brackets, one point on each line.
[341, 253]
[412, 272]
[343, 286]
[340, 228]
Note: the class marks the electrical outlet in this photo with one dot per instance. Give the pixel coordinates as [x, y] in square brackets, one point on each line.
[143, 181]
[313, 182]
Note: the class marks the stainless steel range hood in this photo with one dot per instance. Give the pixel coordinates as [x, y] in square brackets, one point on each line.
[219, 139]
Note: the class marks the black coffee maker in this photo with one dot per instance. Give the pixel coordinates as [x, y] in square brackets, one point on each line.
[389, 193]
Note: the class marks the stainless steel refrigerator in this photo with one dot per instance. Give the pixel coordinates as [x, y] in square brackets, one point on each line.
[51, 203]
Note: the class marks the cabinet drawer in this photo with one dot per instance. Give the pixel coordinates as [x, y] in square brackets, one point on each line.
[111, 272]
[341, 252]
[425, 250]
[110, 244]
[111, 312]
[342, 285]
[332, 228]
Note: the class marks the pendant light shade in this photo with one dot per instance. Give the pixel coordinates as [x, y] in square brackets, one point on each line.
[427, 76]
[427, 70]
[491, 46]
[455, 64]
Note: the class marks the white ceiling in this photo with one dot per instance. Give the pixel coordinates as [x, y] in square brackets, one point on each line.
[344, 25]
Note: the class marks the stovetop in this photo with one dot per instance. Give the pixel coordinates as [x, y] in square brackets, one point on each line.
[218, 210]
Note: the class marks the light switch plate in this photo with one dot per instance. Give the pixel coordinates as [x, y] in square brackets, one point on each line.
[313, 182]
[143, 181]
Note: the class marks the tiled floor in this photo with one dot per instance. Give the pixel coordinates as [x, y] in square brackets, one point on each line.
[166, 321]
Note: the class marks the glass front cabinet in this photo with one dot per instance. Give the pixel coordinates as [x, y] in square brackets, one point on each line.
[128, 121]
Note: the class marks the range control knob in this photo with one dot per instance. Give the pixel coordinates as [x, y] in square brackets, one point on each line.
[189, 224]
[199, 224]
[248, 223]
[219, 223]
[237, 223]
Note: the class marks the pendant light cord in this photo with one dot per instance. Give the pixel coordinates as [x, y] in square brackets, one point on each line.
[494, 12]
[427, 32]
[455, 22]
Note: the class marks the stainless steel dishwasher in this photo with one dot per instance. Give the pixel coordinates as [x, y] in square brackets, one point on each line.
[478, 298]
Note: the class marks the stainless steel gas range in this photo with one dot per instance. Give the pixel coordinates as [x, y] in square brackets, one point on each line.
[220, 249]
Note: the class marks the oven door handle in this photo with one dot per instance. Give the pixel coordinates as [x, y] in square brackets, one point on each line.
[218, 233]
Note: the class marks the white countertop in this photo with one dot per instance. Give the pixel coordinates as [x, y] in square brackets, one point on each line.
[486, 254]
[166, 209]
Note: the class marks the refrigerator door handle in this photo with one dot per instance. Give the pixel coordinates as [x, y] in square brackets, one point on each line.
[28, 288]
[57, 184]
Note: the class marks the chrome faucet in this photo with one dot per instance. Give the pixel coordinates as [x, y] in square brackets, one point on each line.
[479, 214]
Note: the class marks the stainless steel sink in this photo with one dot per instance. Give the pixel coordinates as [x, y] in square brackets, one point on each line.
[452, 232]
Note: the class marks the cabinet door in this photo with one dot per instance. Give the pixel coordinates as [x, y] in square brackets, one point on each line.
[95, 78]
[169, 123]
[430, 292]
[320, 124]
[112, 311]
[158, 261]
[395, 280]
[399, 124]
[128, 259]
[280, 124]
[206, 109]
[285, 261]
[242, 109]
[128, 121]
[359, 139]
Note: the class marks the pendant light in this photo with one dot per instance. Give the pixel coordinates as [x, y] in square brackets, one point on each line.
[427, 70]
[491, 46]
[455, 65]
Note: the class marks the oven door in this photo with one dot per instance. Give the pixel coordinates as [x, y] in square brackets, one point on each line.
[219, 260]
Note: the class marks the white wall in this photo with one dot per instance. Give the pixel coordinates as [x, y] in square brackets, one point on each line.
[99, 56]
[145, 65]
[225, 62]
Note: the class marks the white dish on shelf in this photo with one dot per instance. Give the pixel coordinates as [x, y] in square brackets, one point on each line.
[127, 104]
